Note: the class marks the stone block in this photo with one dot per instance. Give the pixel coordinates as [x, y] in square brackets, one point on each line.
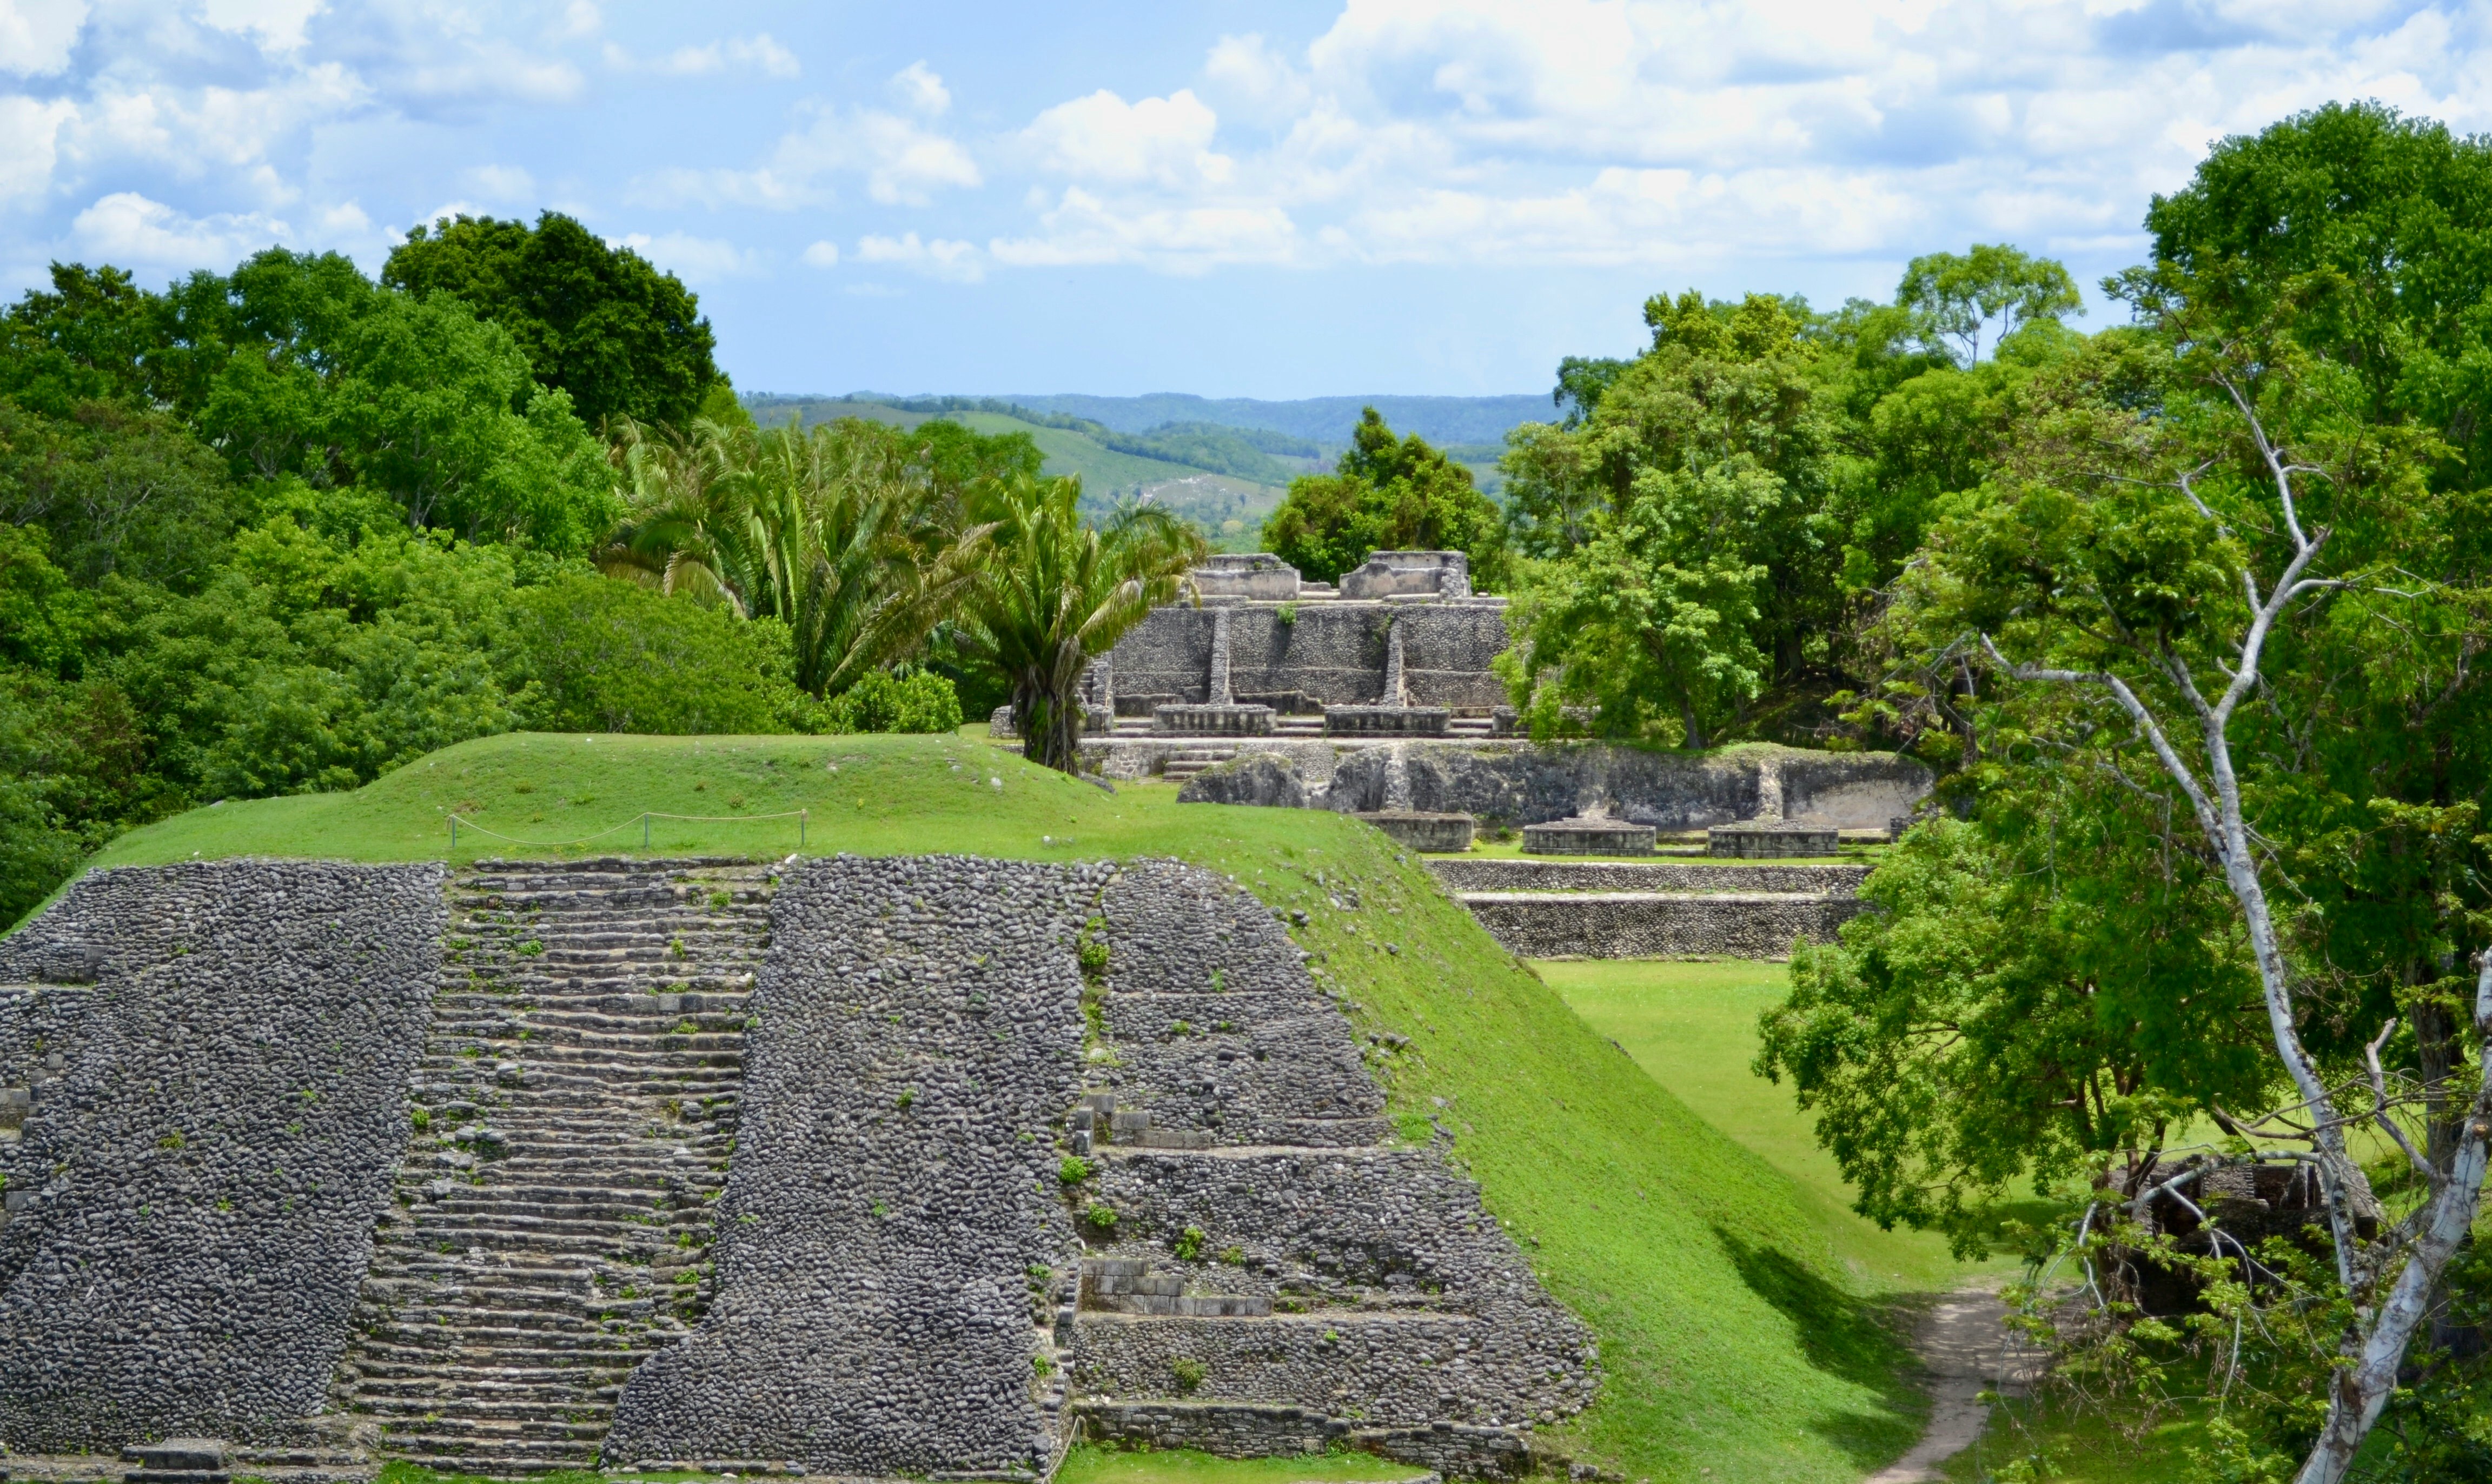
[1256, 575]
[1212, 720]
[1387, 720]
[1769, 842]
[193, 1455]
[1432, 834]
[1410, 574]
[1261, 778]
[1587, 837]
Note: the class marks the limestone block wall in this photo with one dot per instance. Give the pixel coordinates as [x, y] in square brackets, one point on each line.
[1394, 1298]
[1643, 924]
[1332, 652]
[1521, 783]
[919, 1030]
[1215, 1023]
[905, 1279]
[194, 1193]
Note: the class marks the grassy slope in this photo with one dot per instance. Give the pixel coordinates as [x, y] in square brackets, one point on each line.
[1735, 1338]
[1693, 1026]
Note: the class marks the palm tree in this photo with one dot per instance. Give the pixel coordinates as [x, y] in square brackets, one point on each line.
[1057, 592]
[826, 531]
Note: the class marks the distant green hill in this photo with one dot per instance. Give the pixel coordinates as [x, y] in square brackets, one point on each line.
[1220, 478]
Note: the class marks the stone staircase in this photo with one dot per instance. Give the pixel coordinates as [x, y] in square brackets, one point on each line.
[1184, 763]
[575, 1110]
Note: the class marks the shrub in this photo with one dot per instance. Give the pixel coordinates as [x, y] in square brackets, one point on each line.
[921, 701]
[615, 656]
[1189, 1374]
[1189, 1243]
[1103, 1216]
[1072, 1169]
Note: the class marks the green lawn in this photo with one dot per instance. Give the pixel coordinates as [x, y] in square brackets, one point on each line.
[1693, 1026]
[1744, 1321]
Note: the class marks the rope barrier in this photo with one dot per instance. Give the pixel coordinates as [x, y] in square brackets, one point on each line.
[801, 816]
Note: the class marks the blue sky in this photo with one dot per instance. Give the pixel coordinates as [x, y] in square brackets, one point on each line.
[1228, 198]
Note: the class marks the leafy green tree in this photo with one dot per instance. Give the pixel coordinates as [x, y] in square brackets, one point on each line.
[1386, 494]
[598, 321]
[119, 491]
[1699, 485]
[2208, 576]
[424, 411]
[2034, 1008]
[1956, 297]
[44, 620]
[95, 336]
[1057, 592]
[615, 656]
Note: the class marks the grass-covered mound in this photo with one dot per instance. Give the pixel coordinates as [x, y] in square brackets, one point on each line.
[1736, 1337]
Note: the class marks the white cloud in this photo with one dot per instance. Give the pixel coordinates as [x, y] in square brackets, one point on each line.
[1264, 83]
[902, 162]
[1160, 141]
[35, 36]
[503, 182]
[127, 227]
[822, 254]
[919, 90]
[696, 260]
[1083, 228]
[756, 53]
[277, 23]
[28, 133]
[958, 261]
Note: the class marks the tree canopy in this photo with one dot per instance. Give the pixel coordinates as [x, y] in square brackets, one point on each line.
[1385, 494]
[598, 321]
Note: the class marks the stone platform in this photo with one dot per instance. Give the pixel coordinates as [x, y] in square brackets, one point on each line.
[1588, 838]
[1413, 830]
[1557, 909]
[1763, 840]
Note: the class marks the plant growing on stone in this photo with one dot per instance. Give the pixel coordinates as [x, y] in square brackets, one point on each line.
[1094, 957]
[1072, 1169]
[1188, 1244]
[1102, 1215]
[1189, 1373]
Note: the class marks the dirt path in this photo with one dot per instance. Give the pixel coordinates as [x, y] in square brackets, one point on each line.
[1962, 1343]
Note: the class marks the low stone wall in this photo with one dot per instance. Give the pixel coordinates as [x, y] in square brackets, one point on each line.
[1478, 873]
[201, 1175]
[919, 1028]
[1514, 783]
[1624, 925]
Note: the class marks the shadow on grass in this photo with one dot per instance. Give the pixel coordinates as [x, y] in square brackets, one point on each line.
[1853, 1339]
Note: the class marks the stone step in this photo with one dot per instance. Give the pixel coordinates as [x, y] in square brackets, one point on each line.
[586, 1008]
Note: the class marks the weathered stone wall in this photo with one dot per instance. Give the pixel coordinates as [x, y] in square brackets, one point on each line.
[1487, 873]
[1216, 1023]
[1624, 925]
[1332, 652]
[193, 1197]
[1517, 783]
[919, 1032]
[1396, 1300]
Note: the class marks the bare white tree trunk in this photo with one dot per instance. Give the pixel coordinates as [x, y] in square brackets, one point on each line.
[2375, 1345]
